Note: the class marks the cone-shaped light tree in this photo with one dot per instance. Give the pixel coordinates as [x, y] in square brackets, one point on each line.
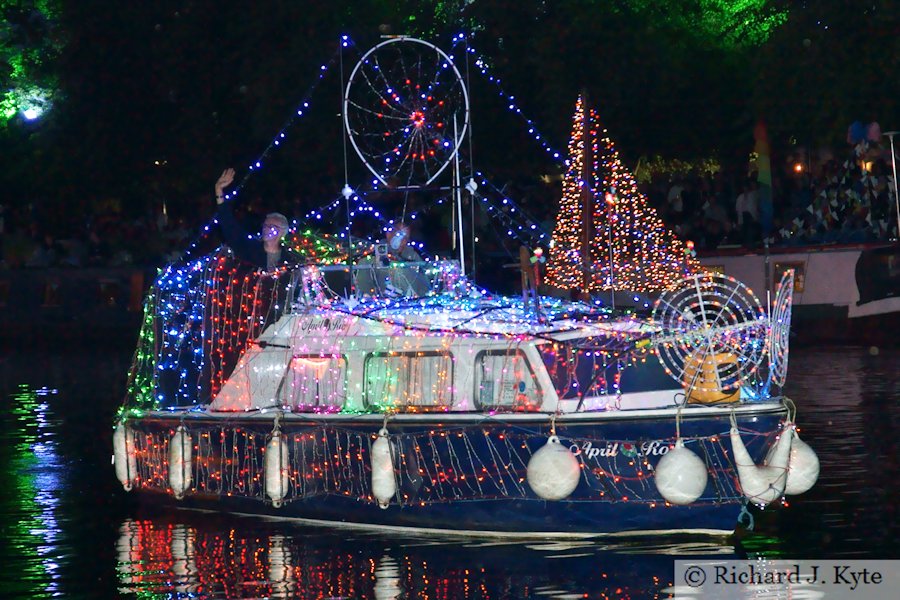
[607, 236]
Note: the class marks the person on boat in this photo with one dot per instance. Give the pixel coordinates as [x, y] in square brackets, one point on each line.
[267, 255]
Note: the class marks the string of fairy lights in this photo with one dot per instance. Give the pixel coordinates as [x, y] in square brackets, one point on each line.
[483, 66]
[515, 223]
[434, 465]
[262, 159]
[607, 236]
[527, 232]
[198, 323]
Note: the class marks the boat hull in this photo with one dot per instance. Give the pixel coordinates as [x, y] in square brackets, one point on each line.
[462, 473]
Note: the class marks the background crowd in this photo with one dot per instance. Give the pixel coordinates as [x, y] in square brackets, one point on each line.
[835, 201]
[845, 200]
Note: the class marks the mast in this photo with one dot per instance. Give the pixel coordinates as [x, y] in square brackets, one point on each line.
[587, 196]
[457, 191]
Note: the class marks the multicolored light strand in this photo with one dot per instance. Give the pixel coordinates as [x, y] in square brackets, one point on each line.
[607, 236]
[435, 464]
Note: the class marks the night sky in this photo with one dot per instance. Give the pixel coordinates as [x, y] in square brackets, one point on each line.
[149, 101]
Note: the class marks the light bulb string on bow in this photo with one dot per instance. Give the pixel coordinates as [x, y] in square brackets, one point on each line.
[519, 224]
[533, 233]
[524, 227]
[513, 229]
[298, 112]
[491, 220]
[529, 220]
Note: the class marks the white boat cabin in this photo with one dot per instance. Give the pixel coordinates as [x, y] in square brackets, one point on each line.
[329, 361]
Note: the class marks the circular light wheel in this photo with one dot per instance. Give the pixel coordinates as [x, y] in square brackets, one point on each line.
[711, 319]
[406, 111]
[780, 330]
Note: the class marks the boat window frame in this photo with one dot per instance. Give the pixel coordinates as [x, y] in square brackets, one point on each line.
[290, 371]
[476, 397]
[367, 403]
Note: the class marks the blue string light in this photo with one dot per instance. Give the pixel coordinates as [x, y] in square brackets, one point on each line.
[482, 64]
[276, 142]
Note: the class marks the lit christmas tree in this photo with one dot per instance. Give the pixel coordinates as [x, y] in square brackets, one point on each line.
[607, 236]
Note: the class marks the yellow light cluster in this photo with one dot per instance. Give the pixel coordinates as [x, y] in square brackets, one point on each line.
[625, 245]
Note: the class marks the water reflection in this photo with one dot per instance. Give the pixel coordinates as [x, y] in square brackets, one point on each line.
[35, 477]
[214, 556]
[387, 579]
[849, 413]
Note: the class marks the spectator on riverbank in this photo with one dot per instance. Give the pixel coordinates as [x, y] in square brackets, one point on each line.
[746, 206]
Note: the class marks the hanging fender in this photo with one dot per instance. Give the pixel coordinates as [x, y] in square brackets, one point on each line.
[762, 484]
[180, 461]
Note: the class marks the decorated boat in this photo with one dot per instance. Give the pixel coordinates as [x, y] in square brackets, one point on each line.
[366, 386]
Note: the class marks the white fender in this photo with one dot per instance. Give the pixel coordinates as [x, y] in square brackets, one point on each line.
[764, 484]
[384, 485]
[803, 466]
[553, 471]
[680, 475]
[124, 457]
[181, 451]
[277, 464]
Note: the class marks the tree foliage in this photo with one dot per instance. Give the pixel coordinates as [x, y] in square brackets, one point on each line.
[830, 65]
[155, 98]
[30, 43]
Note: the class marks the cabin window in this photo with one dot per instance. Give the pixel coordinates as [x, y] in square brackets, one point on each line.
[504, 380]
[316, 384]
[409, 380]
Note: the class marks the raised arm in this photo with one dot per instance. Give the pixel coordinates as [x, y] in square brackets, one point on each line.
[223, 182]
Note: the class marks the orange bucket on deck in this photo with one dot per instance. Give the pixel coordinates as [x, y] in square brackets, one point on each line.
[712, 378]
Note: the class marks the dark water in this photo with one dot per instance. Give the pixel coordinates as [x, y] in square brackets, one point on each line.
[69, 531]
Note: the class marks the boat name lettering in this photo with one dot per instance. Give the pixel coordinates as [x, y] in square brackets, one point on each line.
[323, 324]
[654, 448]
[651, 448]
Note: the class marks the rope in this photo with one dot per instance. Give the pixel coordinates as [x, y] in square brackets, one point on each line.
[792, 409]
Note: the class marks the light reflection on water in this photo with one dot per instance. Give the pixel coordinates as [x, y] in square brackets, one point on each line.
[70, 531]
[239, 557]
[34, 477]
